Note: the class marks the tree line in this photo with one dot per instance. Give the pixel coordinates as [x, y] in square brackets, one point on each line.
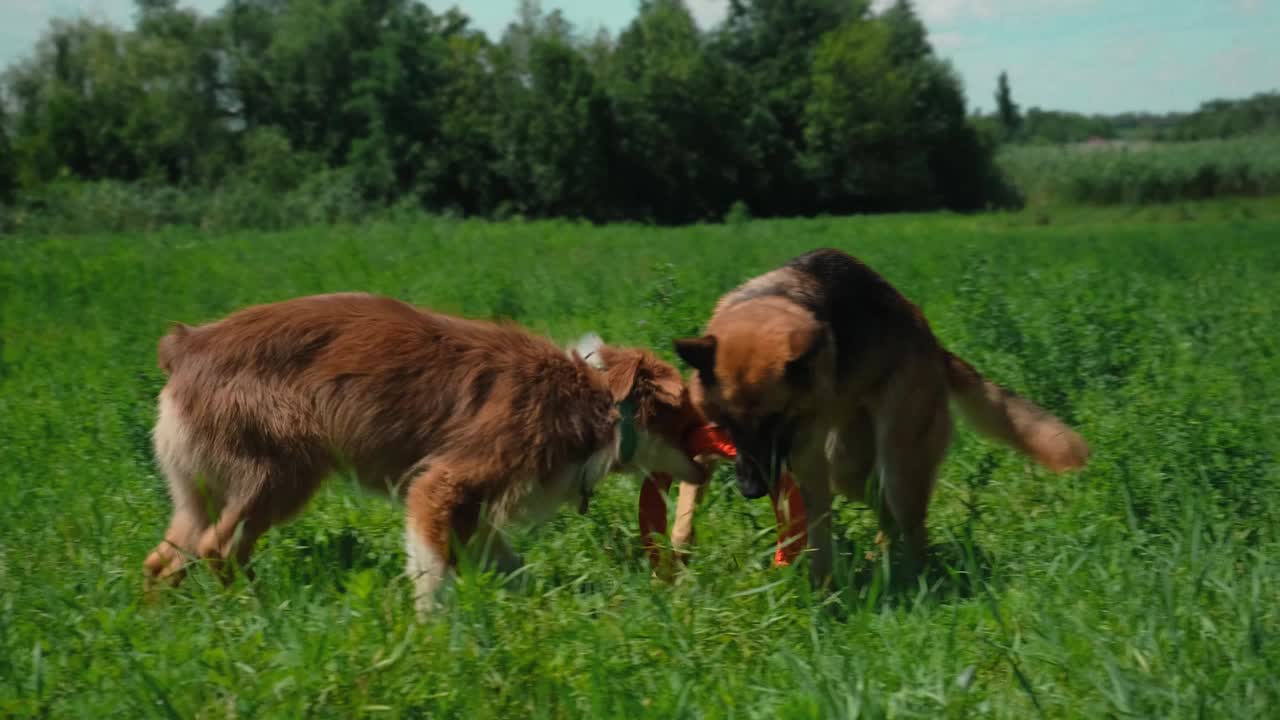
[1213, 120]
[788, 107]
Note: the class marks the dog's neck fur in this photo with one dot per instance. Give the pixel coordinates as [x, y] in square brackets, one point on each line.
[588, 348]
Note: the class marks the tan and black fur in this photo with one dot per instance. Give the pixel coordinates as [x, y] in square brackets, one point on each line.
[473, 424]
[823, 365]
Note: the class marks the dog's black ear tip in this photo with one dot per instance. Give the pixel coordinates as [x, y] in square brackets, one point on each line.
[699, 352]
[799, 374]
[701, 340]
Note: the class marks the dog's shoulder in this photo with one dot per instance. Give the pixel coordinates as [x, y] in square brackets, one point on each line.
[860, 307]
[784, 282]
[832, 270]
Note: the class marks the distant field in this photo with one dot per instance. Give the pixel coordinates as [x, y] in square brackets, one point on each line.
[1148, 585]
[1144, 173]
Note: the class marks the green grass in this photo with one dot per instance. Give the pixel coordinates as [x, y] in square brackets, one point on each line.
[1144, 173]
[1147, 585]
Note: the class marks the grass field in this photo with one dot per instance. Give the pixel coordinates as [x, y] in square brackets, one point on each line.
[1147, 585]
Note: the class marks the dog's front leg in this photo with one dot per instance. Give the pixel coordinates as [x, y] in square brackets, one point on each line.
[682, 532]
[493, 551]
[817, 504]
[812, 477]
[440, 511]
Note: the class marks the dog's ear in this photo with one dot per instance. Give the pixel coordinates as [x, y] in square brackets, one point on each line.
[621, 375]
[806, 343]
[667, 385]
[700, 354]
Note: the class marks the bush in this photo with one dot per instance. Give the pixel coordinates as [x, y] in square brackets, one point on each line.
[738, 213]
[326, 197]
[1143, 173]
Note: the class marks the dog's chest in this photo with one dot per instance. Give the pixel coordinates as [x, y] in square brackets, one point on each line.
[573, 484]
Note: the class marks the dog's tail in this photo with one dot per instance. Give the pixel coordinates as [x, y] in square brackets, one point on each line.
[588, 348]
[1003, 415]
[170, 346]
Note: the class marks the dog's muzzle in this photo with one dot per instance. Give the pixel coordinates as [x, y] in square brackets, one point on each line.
[752, 482]
[760, 459]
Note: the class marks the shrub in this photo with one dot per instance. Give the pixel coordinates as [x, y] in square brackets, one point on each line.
[1143, 173]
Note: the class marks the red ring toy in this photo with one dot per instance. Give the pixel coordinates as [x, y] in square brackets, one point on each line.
[709, 440]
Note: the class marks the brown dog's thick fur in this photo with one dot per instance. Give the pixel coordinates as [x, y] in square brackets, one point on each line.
[822, 363]
[472, 423]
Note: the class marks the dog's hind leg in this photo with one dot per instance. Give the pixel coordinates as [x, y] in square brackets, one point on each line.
[267, 495]
[912, 435]
[853, 455]
[194, 493]
[167, 562]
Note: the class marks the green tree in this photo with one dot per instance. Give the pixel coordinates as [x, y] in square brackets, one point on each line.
[178, 124]
[860, 151]
[961, 156]
[1006, 109]
[908, 38]
[8, 168]
[464, 166]
[355, 82]
[1228, 118]
[961, 168]
[99, 102]
[551, 139]
[886, 127]
[789, 107]
[772, 43]
[678, 112]
[75, 102]
[1063, 127]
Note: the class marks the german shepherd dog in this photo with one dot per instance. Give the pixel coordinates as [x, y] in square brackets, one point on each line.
[473, 424]
[823, 365]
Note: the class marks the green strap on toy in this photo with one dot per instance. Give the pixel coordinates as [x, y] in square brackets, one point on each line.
[626, 449]
[627, 446]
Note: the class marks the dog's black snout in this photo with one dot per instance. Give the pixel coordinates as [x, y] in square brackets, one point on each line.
[752, 482]
[761, 455]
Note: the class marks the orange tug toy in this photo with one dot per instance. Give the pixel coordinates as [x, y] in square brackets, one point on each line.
[710, 441]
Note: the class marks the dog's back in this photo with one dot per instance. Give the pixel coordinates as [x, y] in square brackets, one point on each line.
[876, 327]
[381, 383]
[871, 322]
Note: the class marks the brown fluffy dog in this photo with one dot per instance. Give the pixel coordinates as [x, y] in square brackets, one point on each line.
[824, 365]
[473, 424]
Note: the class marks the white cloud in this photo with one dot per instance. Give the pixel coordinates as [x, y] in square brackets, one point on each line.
[949, 40]
[936, 12]
[22, 22]
[708, 12]
[1231, 70]
[939, 11]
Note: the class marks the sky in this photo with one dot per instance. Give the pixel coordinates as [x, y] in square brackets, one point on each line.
[1093, 56]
